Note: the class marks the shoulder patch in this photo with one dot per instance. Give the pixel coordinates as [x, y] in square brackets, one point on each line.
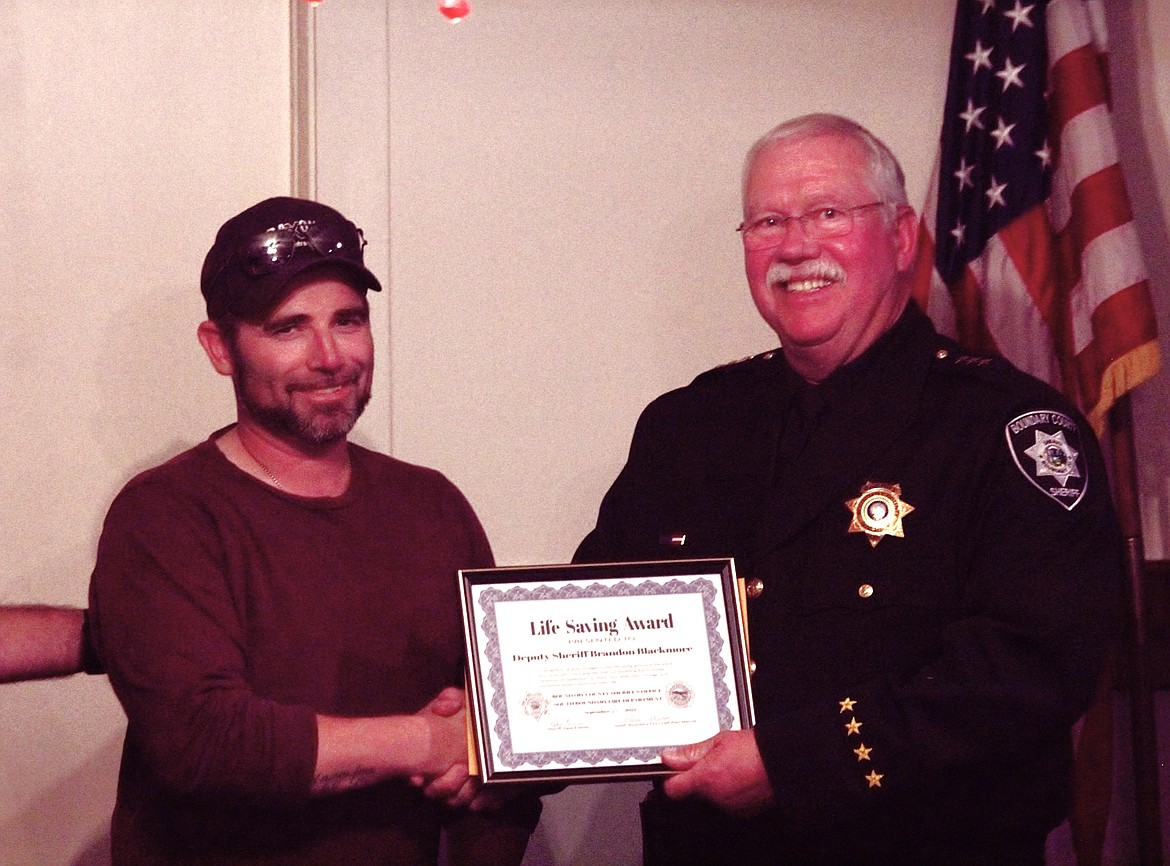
[1046, 446]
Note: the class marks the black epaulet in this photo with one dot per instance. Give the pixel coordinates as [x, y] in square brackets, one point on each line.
[759, 356]
[993, 371]
[956, 358]
[742, 365]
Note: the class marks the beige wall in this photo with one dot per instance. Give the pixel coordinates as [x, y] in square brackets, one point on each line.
[549, 191]
[129, 131]
[563, 210]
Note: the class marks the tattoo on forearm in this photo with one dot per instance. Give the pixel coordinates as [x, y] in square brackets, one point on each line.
[335, 783]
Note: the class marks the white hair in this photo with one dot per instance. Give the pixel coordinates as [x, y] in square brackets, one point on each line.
[887, 181]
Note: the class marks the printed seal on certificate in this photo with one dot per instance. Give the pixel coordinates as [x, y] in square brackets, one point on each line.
[680, 695]
[535, 705]
[581, 673]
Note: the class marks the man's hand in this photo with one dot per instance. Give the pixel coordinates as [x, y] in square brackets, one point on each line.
[446, 703]
[726, 770]
[446, 723]
[428, 747]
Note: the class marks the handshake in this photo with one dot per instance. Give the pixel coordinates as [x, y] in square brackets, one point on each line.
[428, 747]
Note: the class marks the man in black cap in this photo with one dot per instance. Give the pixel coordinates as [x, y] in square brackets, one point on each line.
[277, 606]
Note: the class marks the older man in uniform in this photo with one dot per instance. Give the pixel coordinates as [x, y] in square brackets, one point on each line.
[931, 553]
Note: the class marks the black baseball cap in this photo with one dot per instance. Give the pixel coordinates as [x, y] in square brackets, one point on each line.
[257, 254]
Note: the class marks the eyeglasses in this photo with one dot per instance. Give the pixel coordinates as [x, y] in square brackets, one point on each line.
[269, 251]
[818, 224]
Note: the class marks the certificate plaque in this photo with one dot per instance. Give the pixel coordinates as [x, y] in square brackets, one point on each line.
[587, 672]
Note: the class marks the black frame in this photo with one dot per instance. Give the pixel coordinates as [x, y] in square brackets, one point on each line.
[577, 581]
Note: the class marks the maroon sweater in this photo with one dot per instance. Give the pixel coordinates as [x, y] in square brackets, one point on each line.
[229, 614]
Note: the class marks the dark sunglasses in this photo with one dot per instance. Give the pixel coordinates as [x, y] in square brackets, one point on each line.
[269, 251]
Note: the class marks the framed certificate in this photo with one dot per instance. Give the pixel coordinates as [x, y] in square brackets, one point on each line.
[587, 672]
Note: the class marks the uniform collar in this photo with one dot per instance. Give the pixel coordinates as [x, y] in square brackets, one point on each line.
[859, 413]
[891, 359]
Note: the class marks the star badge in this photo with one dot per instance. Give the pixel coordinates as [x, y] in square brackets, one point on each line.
[1054, 457]
[878, 511]
[875, 779]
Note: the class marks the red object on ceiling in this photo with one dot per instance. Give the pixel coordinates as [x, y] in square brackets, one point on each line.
[454, 10]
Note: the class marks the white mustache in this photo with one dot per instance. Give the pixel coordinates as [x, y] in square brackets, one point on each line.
[821, 270]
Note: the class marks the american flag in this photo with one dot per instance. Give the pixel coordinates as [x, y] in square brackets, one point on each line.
[1027, 247]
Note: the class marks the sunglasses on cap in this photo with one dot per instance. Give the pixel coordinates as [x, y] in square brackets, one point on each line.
[271, 250]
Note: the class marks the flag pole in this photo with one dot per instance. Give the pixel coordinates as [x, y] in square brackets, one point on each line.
[1147, 816]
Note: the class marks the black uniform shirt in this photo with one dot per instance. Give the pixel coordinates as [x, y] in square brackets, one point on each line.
[940, 567]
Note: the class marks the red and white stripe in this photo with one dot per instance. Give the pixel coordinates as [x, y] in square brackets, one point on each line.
[1061, 292]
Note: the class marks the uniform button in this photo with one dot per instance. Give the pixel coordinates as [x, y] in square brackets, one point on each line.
[755, 588]
[941, 354]
[865, 590]
[752, 666]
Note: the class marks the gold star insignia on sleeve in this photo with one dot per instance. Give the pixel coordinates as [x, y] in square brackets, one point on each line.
[878, 511]
[862, 752]
[854, 727]
[874, 778]
[847, 705]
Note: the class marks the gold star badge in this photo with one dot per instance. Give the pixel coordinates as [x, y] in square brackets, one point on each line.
[854, 727]
[847, 705]
[878, 511]
[874, 778]
[862, 752]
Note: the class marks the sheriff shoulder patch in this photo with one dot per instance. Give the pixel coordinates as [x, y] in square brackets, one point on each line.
[1046, 446]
